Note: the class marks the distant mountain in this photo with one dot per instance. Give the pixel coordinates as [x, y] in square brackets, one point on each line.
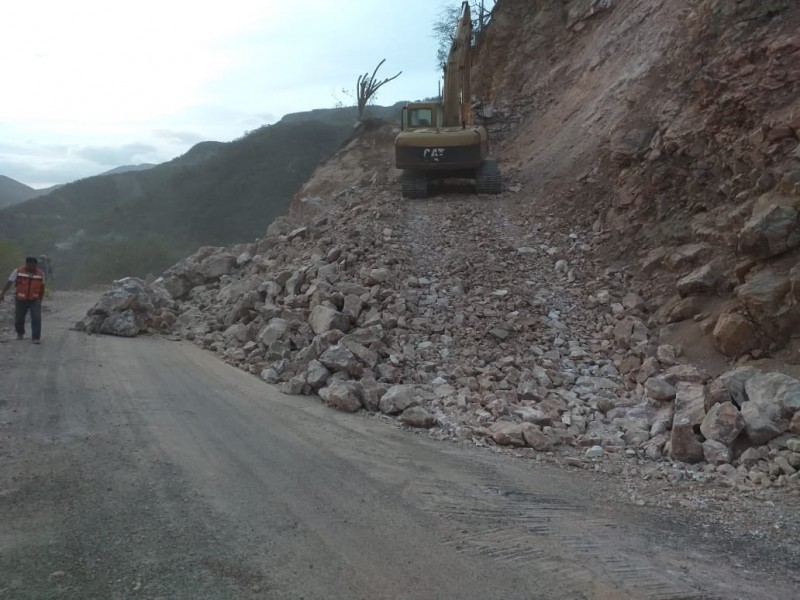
[140, 221]
[13, 192]
[346, 115]
[127, 168]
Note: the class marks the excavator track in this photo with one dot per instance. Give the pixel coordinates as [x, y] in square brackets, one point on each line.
[414, 184]
[488, 179]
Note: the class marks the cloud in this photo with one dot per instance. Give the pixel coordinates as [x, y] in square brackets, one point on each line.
[97, 95]
[43, 165]
[117, 155]
[37, 176]
[179, 137]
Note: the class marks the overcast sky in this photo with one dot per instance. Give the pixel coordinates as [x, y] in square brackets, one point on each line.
[89, 85]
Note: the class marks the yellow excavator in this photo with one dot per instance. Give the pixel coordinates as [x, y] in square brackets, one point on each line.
[438, 140]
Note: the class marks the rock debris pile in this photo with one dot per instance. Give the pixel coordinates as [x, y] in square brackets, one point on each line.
[457, 316]
[499, 320]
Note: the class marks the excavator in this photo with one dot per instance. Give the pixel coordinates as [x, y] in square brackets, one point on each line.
[438, 140]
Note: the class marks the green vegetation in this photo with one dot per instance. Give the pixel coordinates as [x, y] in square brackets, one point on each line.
[105, 260]
[11, 257]
[138, 222]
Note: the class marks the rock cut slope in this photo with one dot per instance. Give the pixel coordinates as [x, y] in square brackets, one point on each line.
[671, 128]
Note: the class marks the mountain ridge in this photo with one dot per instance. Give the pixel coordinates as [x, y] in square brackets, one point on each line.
[215, 193]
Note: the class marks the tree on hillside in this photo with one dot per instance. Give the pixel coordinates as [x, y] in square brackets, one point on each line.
[444, 28]
[367, 86]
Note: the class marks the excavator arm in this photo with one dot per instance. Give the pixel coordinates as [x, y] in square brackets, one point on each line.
[456, 95]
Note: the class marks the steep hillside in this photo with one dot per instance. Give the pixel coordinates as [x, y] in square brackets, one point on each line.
[13, 192]
[141, 220]
[672, 129]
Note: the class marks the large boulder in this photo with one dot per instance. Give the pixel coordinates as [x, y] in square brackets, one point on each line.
[537, 439]
[128, 293]
[734, 381]
[773, 228]
[772, 400]
[690, 403]
[342, 395]
[123, 324]
[128, 308]
[273, 331]
[734, 335]
[764, 294]
[660, 389]
[685, 446]
[417, 416]
[215, 266]
[339, 359]
[400, 397]
[506, 433]
[630, 331]
[316, 374]
[723, 423]
[716, 453]
[699, 281]
[184, 275]
[323, 318]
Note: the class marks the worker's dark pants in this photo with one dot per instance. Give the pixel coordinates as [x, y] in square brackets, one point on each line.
[23, 306]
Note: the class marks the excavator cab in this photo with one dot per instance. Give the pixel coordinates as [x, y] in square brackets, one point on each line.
[418, 115]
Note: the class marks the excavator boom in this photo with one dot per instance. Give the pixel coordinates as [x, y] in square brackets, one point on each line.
[457, 94]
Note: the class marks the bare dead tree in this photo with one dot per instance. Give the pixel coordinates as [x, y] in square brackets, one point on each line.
[367, 85]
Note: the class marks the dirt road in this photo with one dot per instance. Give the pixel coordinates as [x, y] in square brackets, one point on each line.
[146, 468]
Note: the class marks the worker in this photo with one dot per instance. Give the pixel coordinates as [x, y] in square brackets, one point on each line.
[29, 283]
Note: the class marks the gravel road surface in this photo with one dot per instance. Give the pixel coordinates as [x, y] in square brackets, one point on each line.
[147, 468]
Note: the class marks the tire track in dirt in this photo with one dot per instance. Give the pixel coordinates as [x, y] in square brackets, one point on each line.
[544, 532]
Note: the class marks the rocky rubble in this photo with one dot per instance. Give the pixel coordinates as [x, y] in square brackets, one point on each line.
[499, 322]
[516, 339]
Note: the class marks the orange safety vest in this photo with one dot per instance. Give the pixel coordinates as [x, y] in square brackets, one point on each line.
[30, 286]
